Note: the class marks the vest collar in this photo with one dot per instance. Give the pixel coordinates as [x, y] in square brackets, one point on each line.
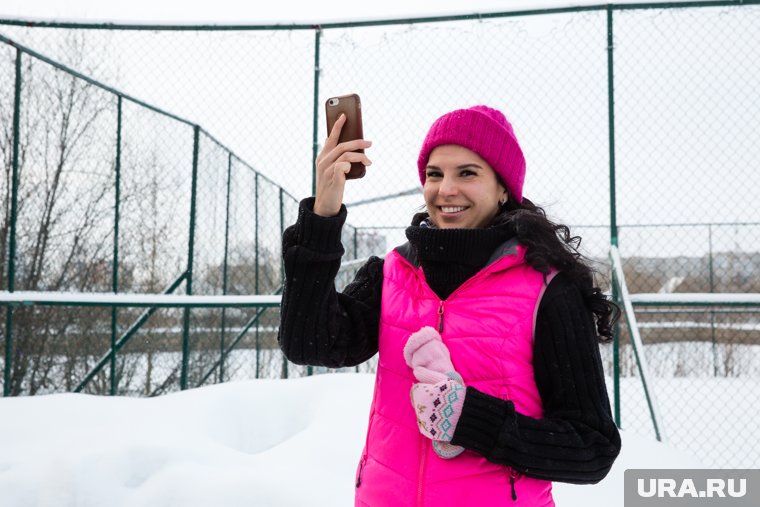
[506, 249]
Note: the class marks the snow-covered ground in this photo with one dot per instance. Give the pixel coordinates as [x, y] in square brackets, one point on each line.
[257, 443]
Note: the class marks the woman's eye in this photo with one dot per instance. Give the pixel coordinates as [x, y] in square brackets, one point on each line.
[433, 174]
[467, 172]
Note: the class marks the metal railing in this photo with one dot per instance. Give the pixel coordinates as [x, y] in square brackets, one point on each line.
[152, 302]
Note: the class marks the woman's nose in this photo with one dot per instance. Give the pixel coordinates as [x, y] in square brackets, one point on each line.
[447, 187]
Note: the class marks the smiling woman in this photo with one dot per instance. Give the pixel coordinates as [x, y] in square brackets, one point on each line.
[487, 316]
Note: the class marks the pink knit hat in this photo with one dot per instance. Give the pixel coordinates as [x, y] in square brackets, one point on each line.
[485, 131]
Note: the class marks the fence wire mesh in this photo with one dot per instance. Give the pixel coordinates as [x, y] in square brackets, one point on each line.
[105, 182]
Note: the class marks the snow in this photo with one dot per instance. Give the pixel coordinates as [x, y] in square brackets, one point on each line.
[273, 443]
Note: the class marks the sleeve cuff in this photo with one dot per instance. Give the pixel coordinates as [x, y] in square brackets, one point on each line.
[321, 234]
[483, 419]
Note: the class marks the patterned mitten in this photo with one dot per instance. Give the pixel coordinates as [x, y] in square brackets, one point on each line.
[438, 407]
[430, 360]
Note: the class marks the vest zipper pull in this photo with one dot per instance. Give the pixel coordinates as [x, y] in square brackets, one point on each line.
[440, 318]
[359, 475]
[512, 476]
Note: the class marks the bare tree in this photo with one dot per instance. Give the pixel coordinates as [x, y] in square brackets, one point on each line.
[65, 206]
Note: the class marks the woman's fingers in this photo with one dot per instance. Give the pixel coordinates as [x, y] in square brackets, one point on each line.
[325, 165]
[342, 166]
[332, 153]
[352, 156]
[334, 135]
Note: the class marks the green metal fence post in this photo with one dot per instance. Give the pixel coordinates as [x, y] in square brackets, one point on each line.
[712, 289]
[115, 273]
[611, 128]
[224, 268]
[315, 144]
[315, 127]
[613, 201]
[256, 259]
[13, 219]
[190, 253]
[282, 269]
[616, 358]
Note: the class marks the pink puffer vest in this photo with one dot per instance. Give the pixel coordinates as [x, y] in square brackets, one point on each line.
[487, 324]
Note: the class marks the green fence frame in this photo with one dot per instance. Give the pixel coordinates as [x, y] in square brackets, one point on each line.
[116, 343]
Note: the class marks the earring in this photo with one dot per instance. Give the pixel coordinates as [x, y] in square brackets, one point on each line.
[503, 200]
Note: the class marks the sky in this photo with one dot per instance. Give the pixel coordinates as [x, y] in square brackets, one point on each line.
[225, 444]
[683, 104]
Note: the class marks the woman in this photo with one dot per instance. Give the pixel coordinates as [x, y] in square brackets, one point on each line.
[487, 316]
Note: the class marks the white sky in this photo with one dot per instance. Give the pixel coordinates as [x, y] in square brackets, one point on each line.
[700, 123]
[237, 11]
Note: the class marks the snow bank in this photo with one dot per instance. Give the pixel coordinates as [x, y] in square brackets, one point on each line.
[272, 443]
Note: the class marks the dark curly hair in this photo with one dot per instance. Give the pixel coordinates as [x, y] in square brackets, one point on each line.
[551, 245]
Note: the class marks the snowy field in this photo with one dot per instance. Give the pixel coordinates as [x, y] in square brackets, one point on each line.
[276, 443]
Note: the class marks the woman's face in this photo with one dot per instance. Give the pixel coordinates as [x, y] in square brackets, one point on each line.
[461, 190]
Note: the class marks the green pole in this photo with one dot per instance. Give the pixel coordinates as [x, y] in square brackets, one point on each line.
[224, 269]
[12, 239]
[616, 356]
[282, 270]
[315, 126]
[190, 253]
[256, 255]
[611, 119]
[115, 270]
[613, 205]
[712, 289]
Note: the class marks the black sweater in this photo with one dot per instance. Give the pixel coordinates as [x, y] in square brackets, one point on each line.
[576, 440]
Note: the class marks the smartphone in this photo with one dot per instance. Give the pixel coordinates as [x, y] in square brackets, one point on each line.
[351, 106]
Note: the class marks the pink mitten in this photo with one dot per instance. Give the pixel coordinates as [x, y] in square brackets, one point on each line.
[430, 361]
[438, 407]
[426, 354]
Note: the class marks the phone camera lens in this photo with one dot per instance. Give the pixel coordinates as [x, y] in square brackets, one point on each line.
[333, 102]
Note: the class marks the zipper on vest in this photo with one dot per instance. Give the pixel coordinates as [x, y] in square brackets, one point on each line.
[440, 317]
[513, 474]
[359, 476]
[421, 471]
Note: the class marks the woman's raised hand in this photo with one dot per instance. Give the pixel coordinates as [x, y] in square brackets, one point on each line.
[333, 163]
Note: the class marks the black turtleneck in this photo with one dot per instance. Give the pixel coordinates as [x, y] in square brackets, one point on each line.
[576, 440]
[450, 256]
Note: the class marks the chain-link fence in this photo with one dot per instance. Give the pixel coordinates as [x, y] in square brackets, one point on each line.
[106, 193]
[640, 124]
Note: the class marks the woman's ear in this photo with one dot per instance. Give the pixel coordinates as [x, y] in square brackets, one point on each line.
[504, 198]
